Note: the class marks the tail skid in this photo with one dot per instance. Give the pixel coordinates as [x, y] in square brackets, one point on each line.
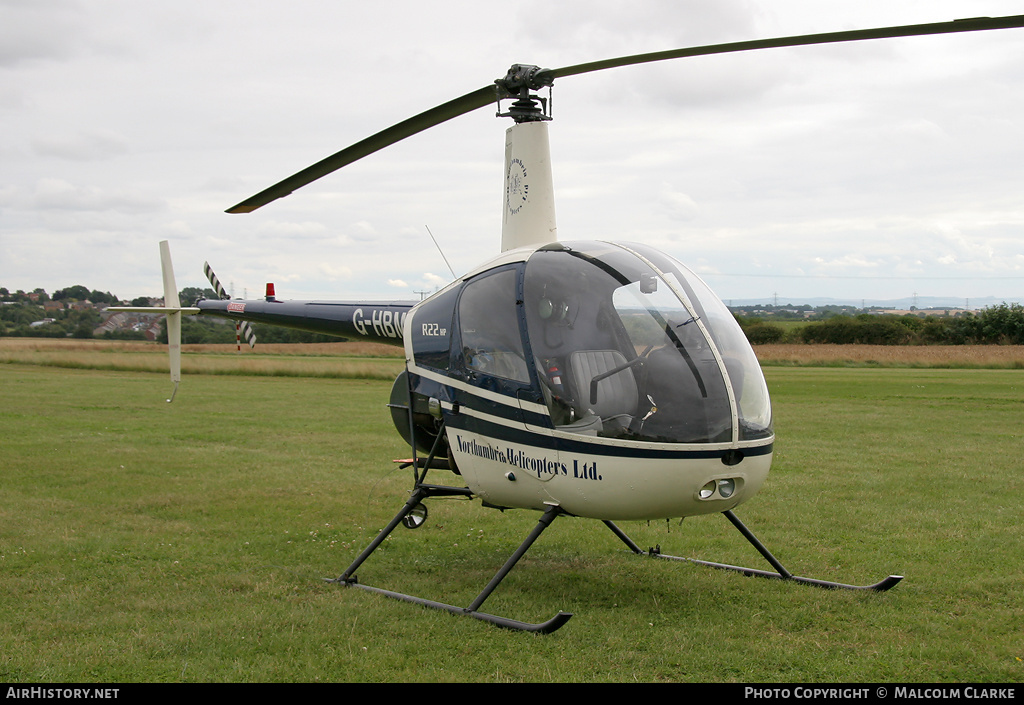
[173, 309]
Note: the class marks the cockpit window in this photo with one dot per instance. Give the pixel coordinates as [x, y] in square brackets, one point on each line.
[745, 376]
[621, 351]
[489, 323]
[432, 332]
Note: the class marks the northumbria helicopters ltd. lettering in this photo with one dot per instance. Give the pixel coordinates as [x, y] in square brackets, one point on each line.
[385, 324]
[542, 466]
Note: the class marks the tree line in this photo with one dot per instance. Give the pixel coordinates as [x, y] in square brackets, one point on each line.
[1001, 325]
[26, 315]
[996, 325]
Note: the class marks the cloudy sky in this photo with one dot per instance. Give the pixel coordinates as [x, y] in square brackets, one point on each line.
[874, 170]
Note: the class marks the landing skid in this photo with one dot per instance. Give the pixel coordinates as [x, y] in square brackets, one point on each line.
[782, 573]
[349, 579]
[422, 491]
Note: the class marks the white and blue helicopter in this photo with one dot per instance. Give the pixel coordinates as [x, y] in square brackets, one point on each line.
[591, 379]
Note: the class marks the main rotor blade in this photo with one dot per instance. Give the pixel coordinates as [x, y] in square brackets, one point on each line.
[395, 133]
[967, 25]
[483, 96]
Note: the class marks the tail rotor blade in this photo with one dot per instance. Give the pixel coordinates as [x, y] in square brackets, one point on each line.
[214, 281]
[244, 327]
[250, 337]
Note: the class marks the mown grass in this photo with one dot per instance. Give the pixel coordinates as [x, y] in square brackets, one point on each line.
[347, 360]
[142, 541]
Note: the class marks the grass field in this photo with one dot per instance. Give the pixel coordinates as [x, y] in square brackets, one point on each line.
[346, 360]
[142, 541]
[356, 360]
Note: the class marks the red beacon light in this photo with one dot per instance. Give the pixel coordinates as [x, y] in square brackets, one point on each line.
[270, 292]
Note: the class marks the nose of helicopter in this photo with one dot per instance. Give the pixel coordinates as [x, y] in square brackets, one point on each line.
[659, 487]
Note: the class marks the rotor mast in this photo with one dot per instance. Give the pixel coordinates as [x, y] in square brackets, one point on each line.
[528, 212]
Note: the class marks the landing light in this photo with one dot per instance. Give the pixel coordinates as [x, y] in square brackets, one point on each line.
[415, 518]
[724, 489]
[707, 490]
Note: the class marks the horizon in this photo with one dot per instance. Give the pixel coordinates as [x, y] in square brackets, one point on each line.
[905, 303]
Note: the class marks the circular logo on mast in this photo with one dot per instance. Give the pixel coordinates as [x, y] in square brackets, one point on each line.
[516, 188]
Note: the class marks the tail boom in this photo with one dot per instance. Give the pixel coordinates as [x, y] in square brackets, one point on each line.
[379, 322]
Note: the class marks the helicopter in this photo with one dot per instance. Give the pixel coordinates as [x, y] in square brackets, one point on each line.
[591, 379]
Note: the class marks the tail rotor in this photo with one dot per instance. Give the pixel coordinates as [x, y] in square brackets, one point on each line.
[242, 327]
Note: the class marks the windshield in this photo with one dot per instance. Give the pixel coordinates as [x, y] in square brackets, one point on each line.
[630, 344]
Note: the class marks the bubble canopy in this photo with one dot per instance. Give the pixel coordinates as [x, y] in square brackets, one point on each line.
[629, 343]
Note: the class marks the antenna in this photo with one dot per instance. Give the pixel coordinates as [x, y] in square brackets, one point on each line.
[441, 251]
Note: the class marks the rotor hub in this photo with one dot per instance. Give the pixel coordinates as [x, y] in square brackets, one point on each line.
[527, 76]
[518, 82]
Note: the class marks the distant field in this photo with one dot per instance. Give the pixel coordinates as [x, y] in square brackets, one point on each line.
[940, 356]
[142, 541]
[376, 361]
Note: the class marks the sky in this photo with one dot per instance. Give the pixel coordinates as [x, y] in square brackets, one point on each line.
[867, 171]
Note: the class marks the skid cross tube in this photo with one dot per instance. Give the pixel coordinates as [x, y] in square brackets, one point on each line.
[782, 573]
[421, 492]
